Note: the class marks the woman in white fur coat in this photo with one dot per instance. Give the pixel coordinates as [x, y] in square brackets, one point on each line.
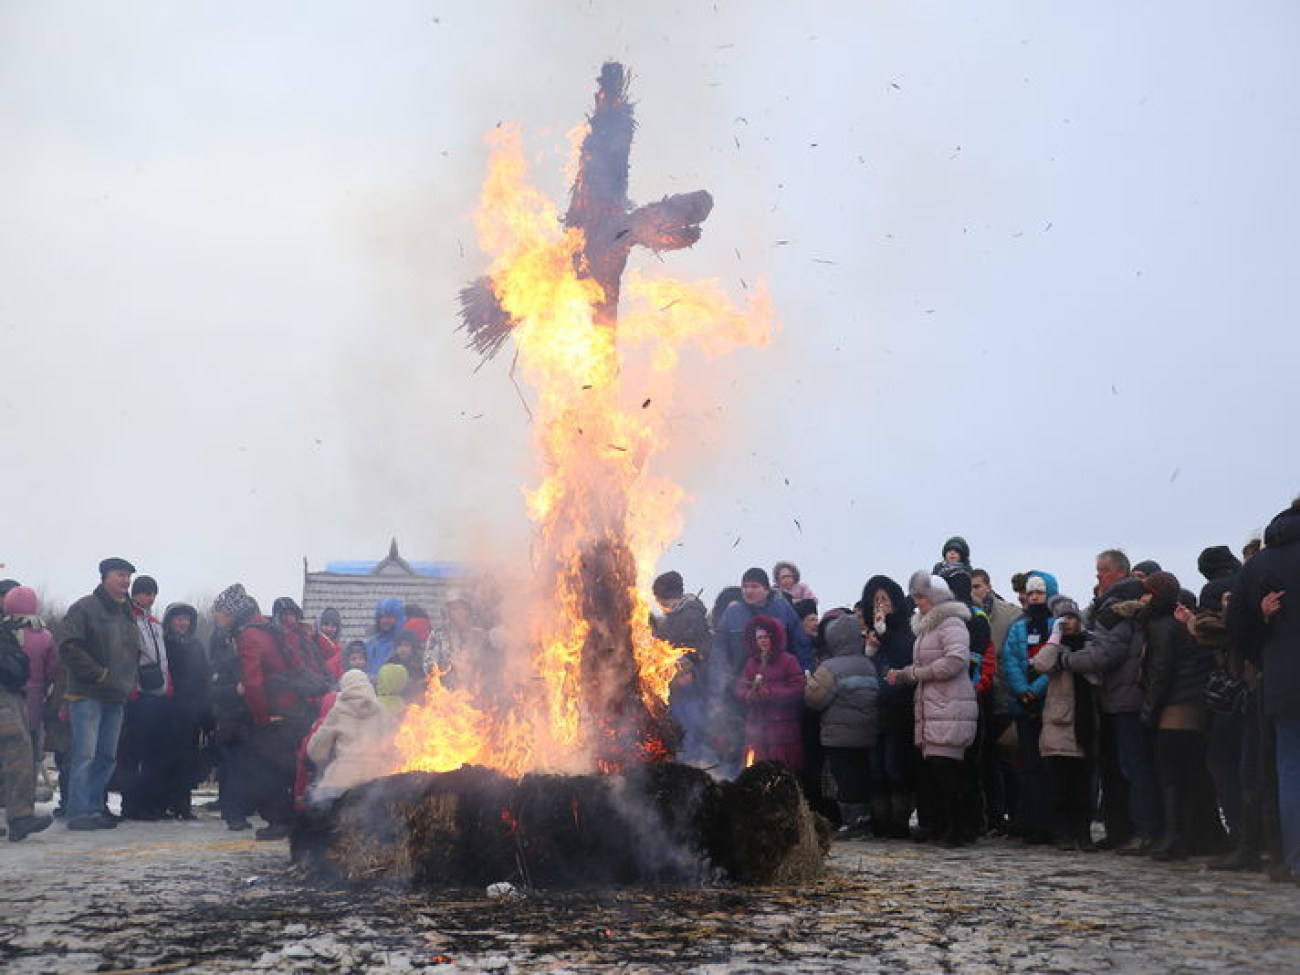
[946, 709]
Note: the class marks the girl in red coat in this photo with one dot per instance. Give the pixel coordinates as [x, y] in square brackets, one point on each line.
[772, 688]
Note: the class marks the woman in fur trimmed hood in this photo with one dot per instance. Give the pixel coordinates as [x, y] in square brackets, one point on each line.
[771, 687]
[886, 614]
[945, 709]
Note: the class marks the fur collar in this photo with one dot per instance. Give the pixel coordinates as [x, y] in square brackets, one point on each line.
[1128, 609]
[925, 622]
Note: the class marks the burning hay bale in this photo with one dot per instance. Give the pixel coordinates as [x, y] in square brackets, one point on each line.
[770, 834]
[661, 823]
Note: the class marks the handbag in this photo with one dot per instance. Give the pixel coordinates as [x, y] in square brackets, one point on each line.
[150, 677]
[1225, 694]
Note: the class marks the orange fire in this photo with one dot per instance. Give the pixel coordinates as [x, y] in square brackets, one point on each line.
[749, 758]
[596, 440]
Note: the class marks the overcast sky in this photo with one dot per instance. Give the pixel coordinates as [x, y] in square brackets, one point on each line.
[1035, 266]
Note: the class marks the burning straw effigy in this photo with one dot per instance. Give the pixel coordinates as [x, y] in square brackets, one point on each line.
[471, 804]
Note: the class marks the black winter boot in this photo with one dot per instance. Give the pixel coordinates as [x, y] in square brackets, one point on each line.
[881, 815]
[1173, 844]
[25, 826]
[900, 820]
[1245, 852]
[853, 817]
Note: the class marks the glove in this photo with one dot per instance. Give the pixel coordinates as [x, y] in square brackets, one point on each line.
[1055, 636]
[1048, 657]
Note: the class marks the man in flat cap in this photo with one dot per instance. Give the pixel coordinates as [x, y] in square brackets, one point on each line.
[101, 649]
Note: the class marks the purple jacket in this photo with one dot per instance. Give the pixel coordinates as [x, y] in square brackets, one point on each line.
[946, 709]
[20, 604]
[772, 694]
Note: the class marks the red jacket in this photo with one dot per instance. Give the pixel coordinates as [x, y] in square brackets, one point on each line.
[331, 652]
[263, 667]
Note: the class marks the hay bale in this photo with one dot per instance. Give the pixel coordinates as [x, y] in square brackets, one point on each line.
[659, 823]
[770, 834]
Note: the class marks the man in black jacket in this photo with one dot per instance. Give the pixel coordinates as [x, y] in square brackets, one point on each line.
[1267, 631]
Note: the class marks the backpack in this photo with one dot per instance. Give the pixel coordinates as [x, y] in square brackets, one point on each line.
[15, 666]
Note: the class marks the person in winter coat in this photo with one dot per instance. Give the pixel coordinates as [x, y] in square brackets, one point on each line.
[328, 627]
[188, 665]
[142, 753]
[945, 707]
[354, 656]
[354, 742]
[17, 765]
[406, 653]
[728, 656]
[983, 670]
[21, 607]
[996, 771]
[314, 662]
[1176, 669]
[390, 616]
[844, 688]
[307, 773]
[468, 659]
[682, 622]
[1025, 692]
[1235, 752]
[390, 686]
[790, 584]
[280, 713]
[101, 651]
[231, 727]
[1220, 568]
[1263, 620]
[895, 762]
[946, 711]
[771, 689]
[1068, 738]
[418, 622]
[1226, 734]
[1130, 809]
[955, 551]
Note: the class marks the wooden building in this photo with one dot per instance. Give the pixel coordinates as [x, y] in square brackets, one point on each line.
[354, 588]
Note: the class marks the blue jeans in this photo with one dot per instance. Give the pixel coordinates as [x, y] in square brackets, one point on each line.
[96, 726]
[1288, 788]
[1137, 762]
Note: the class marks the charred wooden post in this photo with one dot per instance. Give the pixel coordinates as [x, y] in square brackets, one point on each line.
[629, 731]
[653, 824]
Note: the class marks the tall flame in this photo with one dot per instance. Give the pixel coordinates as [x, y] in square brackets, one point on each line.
[597, 497]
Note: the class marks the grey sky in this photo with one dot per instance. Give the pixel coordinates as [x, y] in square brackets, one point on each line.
[1034, 264]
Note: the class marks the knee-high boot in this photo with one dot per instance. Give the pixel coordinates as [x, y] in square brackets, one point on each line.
[1173, 844]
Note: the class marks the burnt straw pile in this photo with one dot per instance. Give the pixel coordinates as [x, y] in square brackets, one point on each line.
[659, 823]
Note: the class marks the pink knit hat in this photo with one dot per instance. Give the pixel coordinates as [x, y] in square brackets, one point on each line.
[21, 601]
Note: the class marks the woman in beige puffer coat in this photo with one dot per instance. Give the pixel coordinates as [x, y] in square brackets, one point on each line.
[354, 742]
